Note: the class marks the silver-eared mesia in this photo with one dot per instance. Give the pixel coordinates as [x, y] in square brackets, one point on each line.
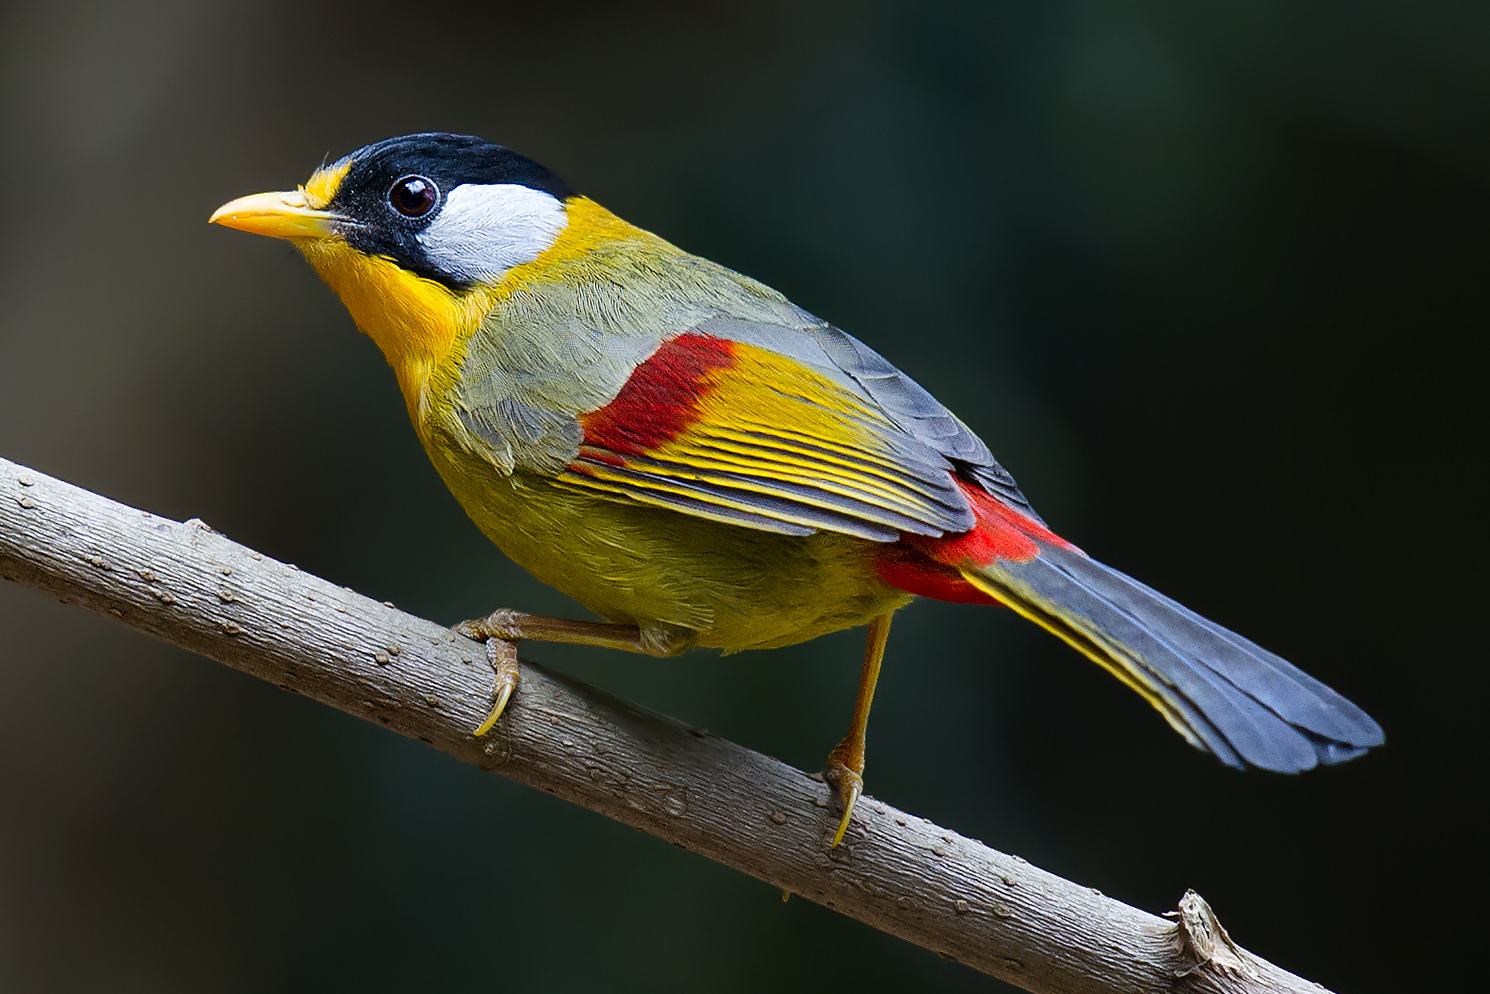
[702, 463]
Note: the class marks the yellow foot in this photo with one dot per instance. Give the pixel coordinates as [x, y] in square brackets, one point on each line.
[502, 624]
[846, 773]
[502, 654]
[501, 630]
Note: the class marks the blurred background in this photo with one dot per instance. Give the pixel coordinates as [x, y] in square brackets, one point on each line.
[1208, 279]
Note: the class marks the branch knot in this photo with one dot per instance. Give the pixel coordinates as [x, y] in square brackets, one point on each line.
[1202, 939]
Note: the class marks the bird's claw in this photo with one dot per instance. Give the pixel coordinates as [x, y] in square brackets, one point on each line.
[849, 782]
[502, 655]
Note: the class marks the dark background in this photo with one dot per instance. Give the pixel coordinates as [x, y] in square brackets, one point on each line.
[1207, 278]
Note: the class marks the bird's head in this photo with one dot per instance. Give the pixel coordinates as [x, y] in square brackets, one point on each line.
[414, 233]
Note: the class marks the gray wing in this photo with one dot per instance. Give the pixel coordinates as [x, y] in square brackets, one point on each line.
[921, 416]
[529, 376]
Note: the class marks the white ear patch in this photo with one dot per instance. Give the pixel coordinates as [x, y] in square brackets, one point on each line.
[483, 230]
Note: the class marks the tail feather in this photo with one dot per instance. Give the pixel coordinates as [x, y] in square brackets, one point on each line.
[1224, 694]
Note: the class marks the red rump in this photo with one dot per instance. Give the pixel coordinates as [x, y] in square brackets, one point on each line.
[660, 399]
[929, 567]
[907, 569]
[1001, 533]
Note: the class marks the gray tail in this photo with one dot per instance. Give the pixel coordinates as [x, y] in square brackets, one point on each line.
[1225, 695]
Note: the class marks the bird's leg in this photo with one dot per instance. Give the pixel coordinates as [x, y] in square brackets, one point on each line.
[845, 769]
[502, 630]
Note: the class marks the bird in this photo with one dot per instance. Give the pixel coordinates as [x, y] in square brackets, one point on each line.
[702, 463]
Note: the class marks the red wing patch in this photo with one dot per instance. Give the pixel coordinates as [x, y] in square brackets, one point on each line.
[660, 400]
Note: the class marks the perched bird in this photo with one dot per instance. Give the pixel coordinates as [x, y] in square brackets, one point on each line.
[702, 463]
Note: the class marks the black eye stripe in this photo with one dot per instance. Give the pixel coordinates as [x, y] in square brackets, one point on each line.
[414, 196]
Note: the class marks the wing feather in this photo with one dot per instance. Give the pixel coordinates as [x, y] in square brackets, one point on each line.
[729, 458]
[796, 491]
[817, 434]
[755, 507]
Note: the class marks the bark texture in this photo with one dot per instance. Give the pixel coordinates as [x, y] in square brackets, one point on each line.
[185, 583]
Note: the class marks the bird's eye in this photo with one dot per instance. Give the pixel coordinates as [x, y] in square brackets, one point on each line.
[414, 196]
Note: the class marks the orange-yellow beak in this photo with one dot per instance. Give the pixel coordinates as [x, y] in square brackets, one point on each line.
[278, 215]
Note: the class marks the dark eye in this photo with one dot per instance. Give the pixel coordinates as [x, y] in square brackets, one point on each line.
[414, 196]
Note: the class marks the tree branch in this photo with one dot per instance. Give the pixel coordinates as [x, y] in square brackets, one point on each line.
[901, 874]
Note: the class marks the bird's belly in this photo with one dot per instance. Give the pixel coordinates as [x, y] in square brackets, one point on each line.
[738, 588]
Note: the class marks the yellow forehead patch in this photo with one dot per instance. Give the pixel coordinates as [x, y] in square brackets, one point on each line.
[324, 183]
